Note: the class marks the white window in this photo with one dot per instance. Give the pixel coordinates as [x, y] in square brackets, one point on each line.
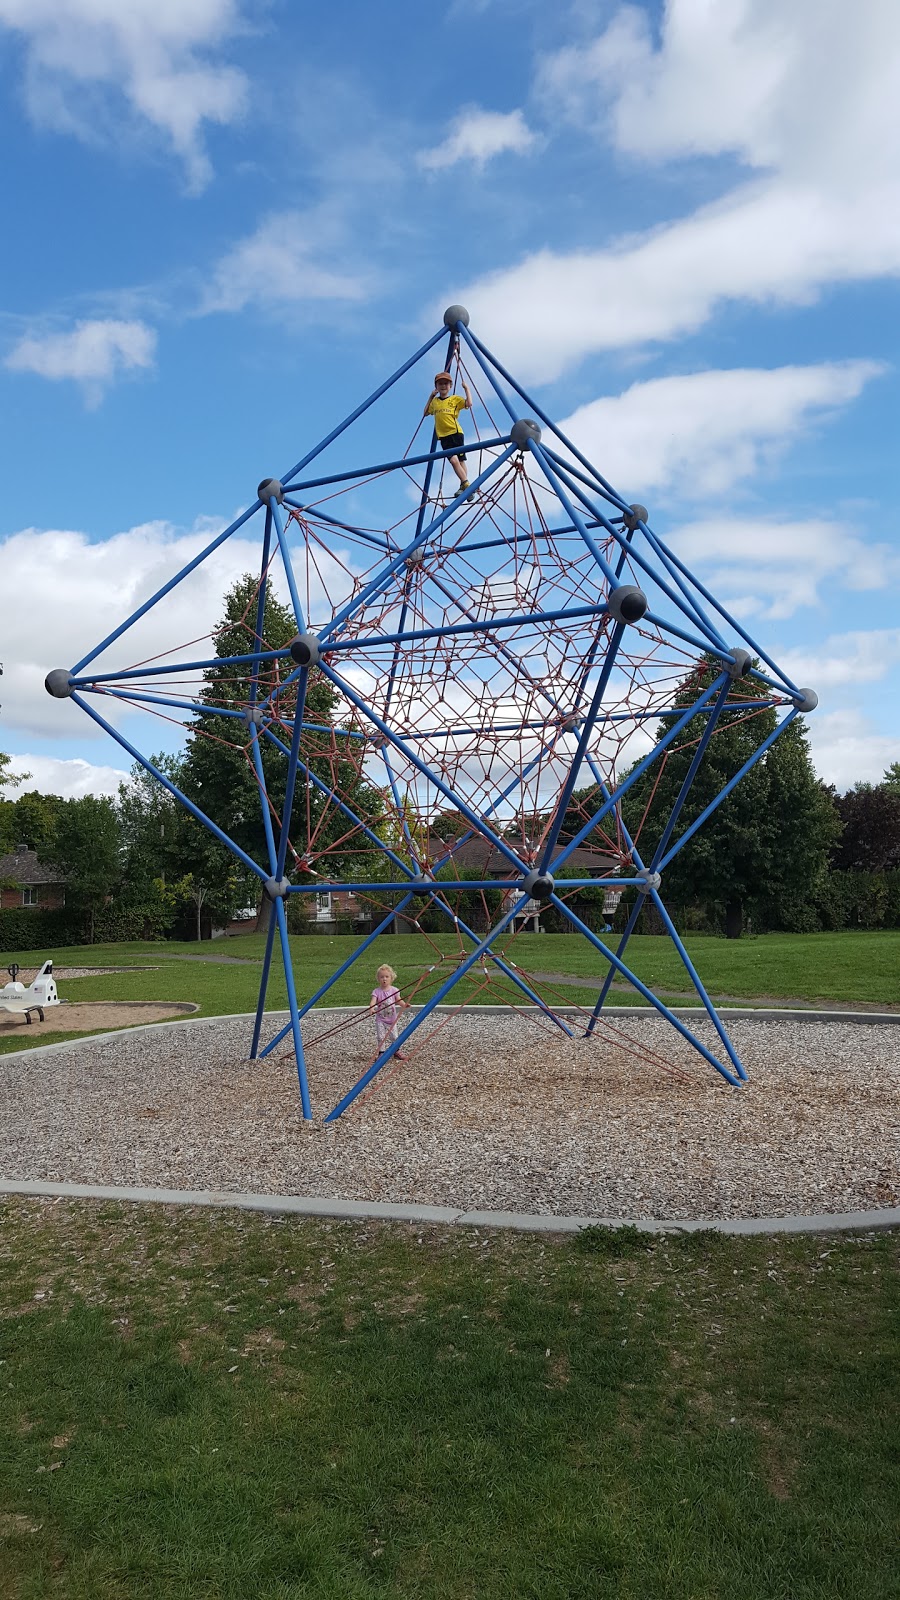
[29, 897]
[323, 906]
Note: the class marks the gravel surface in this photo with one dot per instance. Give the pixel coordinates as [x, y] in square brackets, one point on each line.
[490, 1112]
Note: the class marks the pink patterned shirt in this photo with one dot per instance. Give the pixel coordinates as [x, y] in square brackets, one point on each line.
[385, 1003]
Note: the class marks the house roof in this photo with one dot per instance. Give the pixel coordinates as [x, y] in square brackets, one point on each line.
[24, 867]
[483, 857]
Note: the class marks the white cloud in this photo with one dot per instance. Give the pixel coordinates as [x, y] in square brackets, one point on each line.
[476, 135]
[858, 657]
[772, 567]
[151, 52]
[71, 779]
[702, 433]
[75, 592]
[93, 353]
[802, 98]
[277, 265]
[846, 748]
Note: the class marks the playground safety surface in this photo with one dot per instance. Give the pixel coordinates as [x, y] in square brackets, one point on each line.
[494, 1112]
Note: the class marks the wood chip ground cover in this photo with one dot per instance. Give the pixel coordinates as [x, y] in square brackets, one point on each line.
[490, 1112]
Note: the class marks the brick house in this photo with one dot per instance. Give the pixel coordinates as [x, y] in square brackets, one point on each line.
[480, 856]
[26, 881]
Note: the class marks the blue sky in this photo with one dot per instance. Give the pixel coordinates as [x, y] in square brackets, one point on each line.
[227, 220]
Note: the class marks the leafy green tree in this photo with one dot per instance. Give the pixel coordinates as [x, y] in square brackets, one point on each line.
[86, 848]
[767, 844]
[218, 772]
[870, 840]
[29, 819]
[891, 779]
[10, 780]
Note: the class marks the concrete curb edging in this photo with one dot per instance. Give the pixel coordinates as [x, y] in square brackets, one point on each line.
[388, 1211]
[735, 1013]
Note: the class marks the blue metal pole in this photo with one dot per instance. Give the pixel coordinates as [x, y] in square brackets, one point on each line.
[684, 602]
[553, 480]
[331, 794]
[378, 583]
[89, 681]
[433, 455]
[731, 784]
[256, 756]
[742, 632]
[308, 1005]
[433, 779]
[166, 588]
[291, 779]
[288, 567]
[292, 1003]
[444, 885]
[376, 395]
[635, 773]
[587, 729]
[172, 788]
[473, 346]
[133, 696]
[487, 626]
[667, 832]
[261, 601]
[536, 411]
[425, 1011]
[679, 946]
[642, 989]
[263, 988]
[710, 1009]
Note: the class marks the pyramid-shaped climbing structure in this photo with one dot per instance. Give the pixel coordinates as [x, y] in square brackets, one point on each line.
[503, 662]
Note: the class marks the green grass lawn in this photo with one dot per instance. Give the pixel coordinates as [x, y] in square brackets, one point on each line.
[231, 1407]
[840, 967]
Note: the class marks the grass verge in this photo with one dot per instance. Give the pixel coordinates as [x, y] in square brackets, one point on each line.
[227, 1405]
[849, 968]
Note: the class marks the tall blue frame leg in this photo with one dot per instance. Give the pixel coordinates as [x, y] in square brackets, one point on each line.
[419, 1018]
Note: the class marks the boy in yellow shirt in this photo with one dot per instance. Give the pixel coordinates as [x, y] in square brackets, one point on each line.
[445, 408]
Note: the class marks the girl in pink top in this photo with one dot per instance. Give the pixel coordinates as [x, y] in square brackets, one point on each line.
[385, 1006]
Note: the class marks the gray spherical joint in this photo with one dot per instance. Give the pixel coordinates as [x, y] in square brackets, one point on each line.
[271, 489]
[416, 558]
[305, 650]
[627, 603]
[275, 888]
[741, 664]
[252, 717]
[421, 886]
[455, 314]
[806, 700]
[525, 432]
[59, 683]
[539, 885]
[649, 880]
[633, 518]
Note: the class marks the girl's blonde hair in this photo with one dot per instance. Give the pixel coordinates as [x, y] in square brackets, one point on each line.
[387, 974]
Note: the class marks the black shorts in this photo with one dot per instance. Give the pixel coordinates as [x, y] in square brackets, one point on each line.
[452, 441]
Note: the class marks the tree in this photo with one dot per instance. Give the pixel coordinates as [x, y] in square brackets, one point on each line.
[766, 845]
[86, 849]
[9, 779]
[891, 779]
[870, 841]
[218, 773]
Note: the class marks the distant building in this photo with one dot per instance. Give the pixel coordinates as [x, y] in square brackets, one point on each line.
[479, 856]
[27, 882]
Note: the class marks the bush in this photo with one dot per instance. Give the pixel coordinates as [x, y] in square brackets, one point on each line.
[39, 930]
